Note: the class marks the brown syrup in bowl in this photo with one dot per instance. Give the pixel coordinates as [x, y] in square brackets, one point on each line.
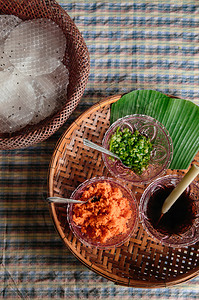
[179, 217]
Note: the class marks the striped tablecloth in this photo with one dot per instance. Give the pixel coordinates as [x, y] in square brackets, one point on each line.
[132, 45]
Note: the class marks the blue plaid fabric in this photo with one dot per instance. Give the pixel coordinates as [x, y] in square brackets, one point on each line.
[140, 45]
[132, 45]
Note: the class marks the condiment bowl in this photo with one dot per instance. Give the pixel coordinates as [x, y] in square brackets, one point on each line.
[179, 227]
[106, 216]
[161, 154]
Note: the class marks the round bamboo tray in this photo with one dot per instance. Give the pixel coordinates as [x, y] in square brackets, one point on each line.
[76, 60]
[140, 262]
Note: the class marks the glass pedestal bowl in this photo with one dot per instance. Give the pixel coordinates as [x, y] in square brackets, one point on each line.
[184, 225]
[101, 218]
[161, 154]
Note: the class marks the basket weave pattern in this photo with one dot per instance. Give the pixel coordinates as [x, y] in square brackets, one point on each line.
[140, 262]
[76, 60]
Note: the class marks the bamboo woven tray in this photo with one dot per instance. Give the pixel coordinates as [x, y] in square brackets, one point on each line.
[140, 262]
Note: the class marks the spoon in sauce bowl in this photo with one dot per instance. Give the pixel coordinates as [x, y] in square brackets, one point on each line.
[179, 189]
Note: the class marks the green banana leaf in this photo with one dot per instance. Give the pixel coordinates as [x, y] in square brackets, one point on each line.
[180, 117]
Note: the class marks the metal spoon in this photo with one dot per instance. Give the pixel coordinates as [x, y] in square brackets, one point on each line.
[102, 149]
[64, 200]
[69, 200]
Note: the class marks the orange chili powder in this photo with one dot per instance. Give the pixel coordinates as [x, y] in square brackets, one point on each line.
[105, 218]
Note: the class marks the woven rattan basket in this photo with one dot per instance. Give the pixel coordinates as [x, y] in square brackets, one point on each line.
[77, 64]
[140, 262]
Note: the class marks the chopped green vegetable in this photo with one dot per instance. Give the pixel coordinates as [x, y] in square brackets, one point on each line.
[133, 149]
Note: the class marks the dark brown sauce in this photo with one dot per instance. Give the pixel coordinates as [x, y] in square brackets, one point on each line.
[179, 217]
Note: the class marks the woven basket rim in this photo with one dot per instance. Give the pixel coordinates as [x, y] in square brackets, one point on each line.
[114, 278]
[32, 134]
